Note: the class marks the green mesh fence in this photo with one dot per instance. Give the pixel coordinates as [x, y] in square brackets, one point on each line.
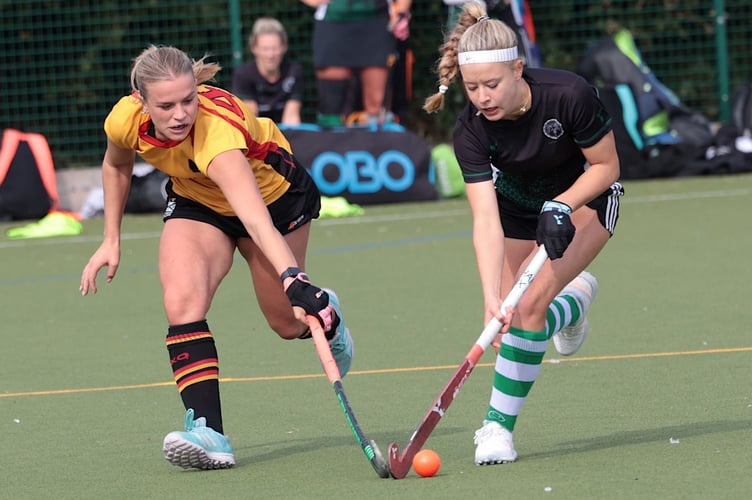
[66, 62]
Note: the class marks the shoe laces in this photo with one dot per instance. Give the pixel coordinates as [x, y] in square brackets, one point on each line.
[191, 424]
[491, 430]
[572, 332]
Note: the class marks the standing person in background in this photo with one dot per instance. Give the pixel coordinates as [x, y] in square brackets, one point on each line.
[234, 185]
[355, 37]
[270, 85]
[539, 161]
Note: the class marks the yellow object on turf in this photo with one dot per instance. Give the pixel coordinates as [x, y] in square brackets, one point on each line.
[52, 224]
[338, 207]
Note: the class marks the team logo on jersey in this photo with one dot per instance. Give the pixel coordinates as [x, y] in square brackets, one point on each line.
[553, 129]
[288, 84]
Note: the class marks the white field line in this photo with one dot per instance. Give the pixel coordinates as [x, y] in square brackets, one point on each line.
[365, 219]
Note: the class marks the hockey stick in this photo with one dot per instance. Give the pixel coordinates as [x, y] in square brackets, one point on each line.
[399, 464]
[368, 446]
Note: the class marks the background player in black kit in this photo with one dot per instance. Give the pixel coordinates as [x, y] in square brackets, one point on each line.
[540, 165]
[270, 85]
[355, 38]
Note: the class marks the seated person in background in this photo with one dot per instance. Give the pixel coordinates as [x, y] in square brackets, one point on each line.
[270, 85]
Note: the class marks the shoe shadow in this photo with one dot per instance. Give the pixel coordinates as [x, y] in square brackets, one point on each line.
[627, 438]
[279, 450]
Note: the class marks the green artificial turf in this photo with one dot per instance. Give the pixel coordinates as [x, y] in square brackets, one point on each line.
[655, 405]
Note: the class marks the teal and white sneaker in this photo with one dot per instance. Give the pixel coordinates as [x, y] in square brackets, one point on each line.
[583, 288]
[342, 344]
[198, 447]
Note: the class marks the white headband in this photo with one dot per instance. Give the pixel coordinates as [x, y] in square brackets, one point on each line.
[487, 56]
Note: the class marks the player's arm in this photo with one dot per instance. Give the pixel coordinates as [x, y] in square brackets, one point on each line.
[488, 241]
[555, 229]
[117, 169]
[291, 113]
[231, 172]
[399, 18]
[603, 171]
[315, 3]
[400, 9]
[589, 119]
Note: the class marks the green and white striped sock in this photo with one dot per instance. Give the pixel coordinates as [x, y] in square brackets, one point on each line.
[517, 366]
[564, 311]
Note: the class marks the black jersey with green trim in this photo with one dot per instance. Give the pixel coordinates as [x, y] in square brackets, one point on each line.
[537, 156]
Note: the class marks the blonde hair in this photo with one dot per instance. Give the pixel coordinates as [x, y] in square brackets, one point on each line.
[474, 31]
[266, 26]
[159, 63]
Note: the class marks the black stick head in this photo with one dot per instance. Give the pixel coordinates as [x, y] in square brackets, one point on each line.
[379, 464]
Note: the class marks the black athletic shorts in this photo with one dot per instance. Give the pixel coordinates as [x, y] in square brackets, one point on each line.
[353, 44]
[298, 205]
[521, 224]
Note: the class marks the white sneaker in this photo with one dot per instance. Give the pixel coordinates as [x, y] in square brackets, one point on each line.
[494, 444]
[569, 339]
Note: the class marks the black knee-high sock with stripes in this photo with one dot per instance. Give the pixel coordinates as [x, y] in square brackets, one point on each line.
[195, 365]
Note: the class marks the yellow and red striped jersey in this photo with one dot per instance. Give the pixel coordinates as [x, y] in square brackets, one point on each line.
[223, 123]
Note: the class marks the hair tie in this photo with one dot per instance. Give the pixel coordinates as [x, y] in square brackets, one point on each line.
[443, 89]
[483, 18]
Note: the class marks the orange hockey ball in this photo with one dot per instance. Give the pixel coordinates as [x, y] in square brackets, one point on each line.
[426, 463]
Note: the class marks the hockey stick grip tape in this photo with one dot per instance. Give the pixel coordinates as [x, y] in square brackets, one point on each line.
[323, 350]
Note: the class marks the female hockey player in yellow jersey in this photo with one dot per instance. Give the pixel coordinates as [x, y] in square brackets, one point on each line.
[234, 184]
